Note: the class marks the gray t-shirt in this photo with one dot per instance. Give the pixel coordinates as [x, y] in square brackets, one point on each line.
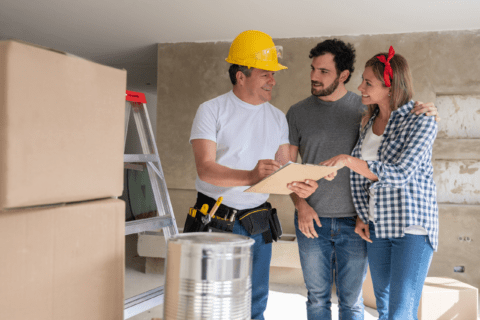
[322, 130]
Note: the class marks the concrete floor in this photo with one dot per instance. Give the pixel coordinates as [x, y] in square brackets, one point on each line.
[285, 301]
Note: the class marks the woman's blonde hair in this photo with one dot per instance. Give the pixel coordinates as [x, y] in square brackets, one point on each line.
[401, 90]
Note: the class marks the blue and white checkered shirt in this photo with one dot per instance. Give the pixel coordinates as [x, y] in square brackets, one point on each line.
[405, 193]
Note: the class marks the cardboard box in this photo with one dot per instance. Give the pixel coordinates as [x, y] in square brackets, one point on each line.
[152, 244]
[368, 294]
[290, 276]
[63, 262]
[442, 299]
[446, 299]
[285, 265]
[155, 265]
[285, 252]
[62, 124]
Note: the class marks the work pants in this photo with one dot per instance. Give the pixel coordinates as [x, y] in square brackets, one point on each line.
[262, 254]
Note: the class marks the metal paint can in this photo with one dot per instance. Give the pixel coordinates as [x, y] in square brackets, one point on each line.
[208, 277]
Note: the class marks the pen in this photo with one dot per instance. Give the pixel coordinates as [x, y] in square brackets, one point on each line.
[215, 207]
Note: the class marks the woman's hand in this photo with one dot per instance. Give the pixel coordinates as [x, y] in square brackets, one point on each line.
[362, 230]
[337, 161]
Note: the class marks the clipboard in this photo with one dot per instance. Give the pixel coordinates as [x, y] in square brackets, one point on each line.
[276, 183]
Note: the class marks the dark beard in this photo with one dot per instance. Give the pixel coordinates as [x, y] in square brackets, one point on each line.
[327, 91]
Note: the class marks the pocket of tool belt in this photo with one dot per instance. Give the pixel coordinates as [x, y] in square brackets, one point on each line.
[191, 222]
[256, 221]
[275, 226]
[194, 223]
[218, 224]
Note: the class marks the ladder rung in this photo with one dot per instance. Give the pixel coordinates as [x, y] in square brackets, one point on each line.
[156, 170]
[143, 302]
[150, 224]
[133, 166]
[140, 158]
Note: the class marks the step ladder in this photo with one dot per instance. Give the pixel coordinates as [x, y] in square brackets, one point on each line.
[136, 104]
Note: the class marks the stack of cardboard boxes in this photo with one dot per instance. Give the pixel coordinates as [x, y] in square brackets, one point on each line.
[61, 167]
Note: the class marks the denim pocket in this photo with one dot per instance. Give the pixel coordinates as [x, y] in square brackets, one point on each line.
[350, 221]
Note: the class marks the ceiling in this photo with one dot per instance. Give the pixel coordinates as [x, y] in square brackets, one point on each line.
[124, 33]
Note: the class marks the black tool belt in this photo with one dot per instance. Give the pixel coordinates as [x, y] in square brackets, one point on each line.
[262, 219]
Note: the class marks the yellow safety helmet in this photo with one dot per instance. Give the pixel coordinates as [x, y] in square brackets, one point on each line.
[255, 49]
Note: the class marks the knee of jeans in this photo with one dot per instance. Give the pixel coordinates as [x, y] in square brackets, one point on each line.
[317, 300]
[350, 297]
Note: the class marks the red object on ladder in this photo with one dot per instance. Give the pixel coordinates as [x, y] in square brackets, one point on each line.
[133, 96]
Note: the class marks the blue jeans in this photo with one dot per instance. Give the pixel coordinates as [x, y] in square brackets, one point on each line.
[338, 248]
[262, 254]
[398, 267]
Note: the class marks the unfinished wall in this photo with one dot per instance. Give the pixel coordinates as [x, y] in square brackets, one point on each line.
[442, 63]
[457, 175]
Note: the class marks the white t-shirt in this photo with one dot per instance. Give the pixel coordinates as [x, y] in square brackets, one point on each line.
[370, 147]
[244, 134]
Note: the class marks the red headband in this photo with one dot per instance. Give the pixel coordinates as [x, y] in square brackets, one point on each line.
[388, 72]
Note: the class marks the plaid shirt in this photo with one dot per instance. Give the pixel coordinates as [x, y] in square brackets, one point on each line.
[405, 193]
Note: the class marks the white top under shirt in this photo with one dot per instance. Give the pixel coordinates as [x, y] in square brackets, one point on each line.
[370, 147]
[244, 134]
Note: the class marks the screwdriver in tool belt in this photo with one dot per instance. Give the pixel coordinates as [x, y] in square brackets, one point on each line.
[204, 209]
[206, 217]
[233, 215]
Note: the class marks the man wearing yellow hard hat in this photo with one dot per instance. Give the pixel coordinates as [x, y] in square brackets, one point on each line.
[238, 139]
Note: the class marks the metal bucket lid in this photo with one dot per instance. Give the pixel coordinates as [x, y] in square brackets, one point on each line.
[207, 239]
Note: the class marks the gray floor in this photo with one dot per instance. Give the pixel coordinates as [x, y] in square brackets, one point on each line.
[285, 301]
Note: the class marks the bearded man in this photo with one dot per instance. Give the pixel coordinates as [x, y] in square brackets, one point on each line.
[320, 127]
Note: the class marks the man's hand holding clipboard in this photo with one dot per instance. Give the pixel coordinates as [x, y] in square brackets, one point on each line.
[282, 180]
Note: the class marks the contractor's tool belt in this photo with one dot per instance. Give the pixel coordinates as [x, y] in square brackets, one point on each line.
[262, 219]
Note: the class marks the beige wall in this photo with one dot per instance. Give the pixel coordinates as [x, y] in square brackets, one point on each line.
[441, 63]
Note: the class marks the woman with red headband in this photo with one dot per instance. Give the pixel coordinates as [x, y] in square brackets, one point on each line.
[392, 186]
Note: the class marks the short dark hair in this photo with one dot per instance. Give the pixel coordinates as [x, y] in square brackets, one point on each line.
[234, 68]
[343, 54]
